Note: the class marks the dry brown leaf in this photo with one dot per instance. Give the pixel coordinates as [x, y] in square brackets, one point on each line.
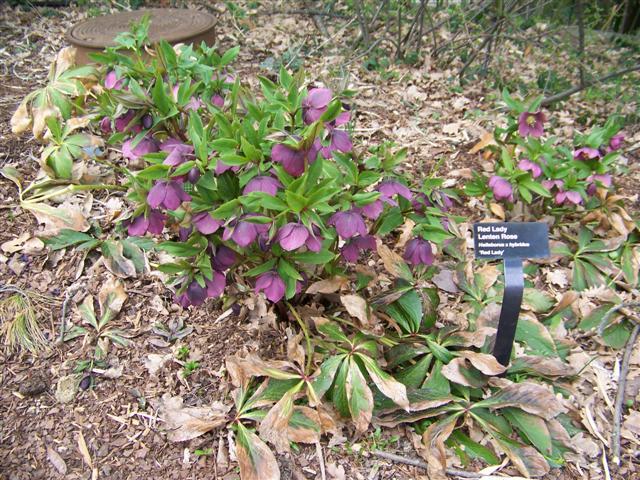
[40, 116]
[406, 233]
[295, 351]
[56, 460]
[112, 297]
[15, 244]
[185, 423]
[260, 463]
[329, 285]
[489, 274]
[356, 307]
[484, 362]
[497, 210]
[155, 362]
[558, 277]
[275, 425]
[84, 451]
[65, 60]
[445, 280]
[390, 259]
[486, 140]
[21, 120]
[305, 434]
[476, 338]
[241, 369]
[56, 218]
[547, 366]
[455, 371]
[530, 397]
[526, 459]
[434, 452]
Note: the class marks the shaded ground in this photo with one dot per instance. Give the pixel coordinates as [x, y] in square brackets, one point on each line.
[416, 107]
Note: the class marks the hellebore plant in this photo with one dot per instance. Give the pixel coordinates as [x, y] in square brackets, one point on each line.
[262, 189]
[551, 178]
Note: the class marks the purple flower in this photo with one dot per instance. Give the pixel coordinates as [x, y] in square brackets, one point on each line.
[529, 166]
[263, 183]
[144, 146]
[244, 233]
[501, 188]
[216, 285]
[105, 125]
[549, 184]
[123, 123]
[194, 295]
[111, 81]
[373, 210]
[338, 139]
[313, 243]
[568, 196]
[168, 194]
[531, 124]
[604, 179]
[616, 142]
[315, 104]
[147, 121]
[418, 252]
[178, 153]
[152, 223]
[222, 167]
[390, 188]
[223, 258]
[184, 232]
[348, 224]
[294, 161]
[586, 153]
[292, 236]
[205, 223]
[194, 175]
[272, 285]
[217, 100]
[351, 251]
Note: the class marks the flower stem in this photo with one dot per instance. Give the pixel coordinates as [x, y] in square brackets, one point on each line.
[305, 331]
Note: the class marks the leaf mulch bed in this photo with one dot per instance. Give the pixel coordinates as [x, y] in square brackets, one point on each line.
[113, 429]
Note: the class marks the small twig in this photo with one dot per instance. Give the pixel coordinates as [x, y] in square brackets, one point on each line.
[414, 462]
[323, 475]
[622, 384]
[71, 291]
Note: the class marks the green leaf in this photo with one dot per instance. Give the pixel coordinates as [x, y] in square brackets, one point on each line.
[295, 201]
[530, 427]
[265, 267]
[474, 449]
[328, 369]
[66, 238]
[407, 311]
[536, 336]
[313, 258]
[538, 300]
[179, 249]
[359, 397]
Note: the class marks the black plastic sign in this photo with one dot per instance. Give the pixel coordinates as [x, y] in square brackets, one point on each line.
[513, 242]
[511, 239]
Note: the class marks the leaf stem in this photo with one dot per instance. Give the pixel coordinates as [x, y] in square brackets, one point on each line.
[305, 331]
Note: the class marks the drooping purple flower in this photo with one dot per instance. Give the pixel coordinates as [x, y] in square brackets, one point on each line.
[144, 146]
[420, 201]
[502, 189]
[152, 223]
[418, 252]
[272, 285]
[352, 249]
[223, 258]
[194, 175]
[586, 153]
[389, 188]
[105, 125]
[205, 223]
[373, 210]
[194, 295]
[338, 139]
[244, 233]
[569, 196]
[184, 233]
[222, 167]
[549, 184]
[604, 180]
[111, 81]
[123, 123]
[348, 224]
[178, 154]
[314, 243]
[294, 161]
[292, 236]
[217, 100]
[529, 166]
[616, 142]
[315, 104]
[531, 124]
[262, 183]
[215, 286]
[168, 194]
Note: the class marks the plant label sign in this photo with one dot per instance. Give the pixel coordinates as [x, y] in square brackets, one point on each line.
[513, 242]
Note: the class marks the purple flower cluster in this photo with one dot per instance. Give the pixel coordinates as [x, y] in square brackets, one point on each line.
[501, 188]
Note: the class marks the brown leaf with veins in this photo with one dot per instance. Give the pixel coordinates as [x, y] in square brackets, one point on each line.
[21, 119]
[530, 397]
[112, 297]
[484, 362]
[329, 285]
[455, 371]
[275, 425]
[434, 453]
[260, 463]
[526, 459]
[241, 369]
[185, 423]
[295, 351]
[547, 366]
[56, 218]
[305, 434]
[356, 307]
[390, 259]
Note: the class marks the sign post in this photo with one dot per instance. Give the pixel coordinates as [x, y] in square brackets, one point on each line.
[513, 242]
